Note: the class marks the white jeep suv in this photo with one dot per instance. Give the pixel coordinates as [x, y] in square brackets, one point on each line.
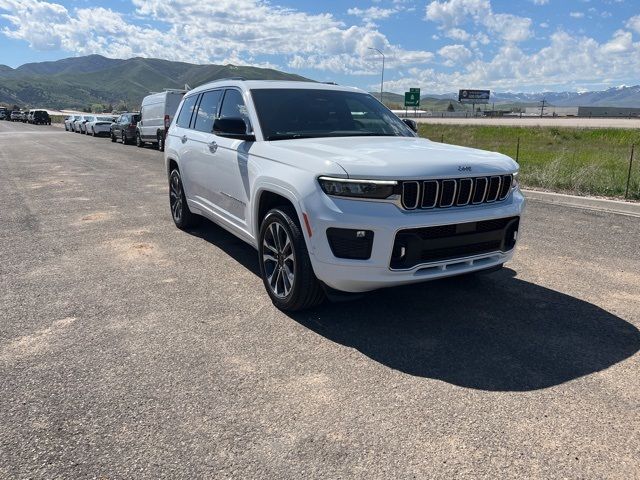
[335, 191]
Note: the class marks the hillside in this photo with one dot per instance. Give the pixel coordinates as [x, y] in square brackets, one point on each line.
[81, 81]
[396, 101]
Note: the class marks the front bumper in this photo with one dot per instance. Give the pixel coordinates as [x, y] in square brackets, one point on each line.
[385, 220]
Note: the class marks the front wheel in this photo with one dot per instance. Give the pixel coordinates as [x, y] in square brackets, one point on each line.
[113, 137]
[285, 266]
[182, 216]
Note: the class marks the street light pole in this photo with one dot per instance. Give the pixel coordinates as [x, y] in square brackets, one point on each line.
[382, 76]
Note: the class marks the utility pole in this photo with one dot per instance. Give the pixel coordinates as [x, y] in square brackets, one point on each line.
[382, 76]
[542, 105]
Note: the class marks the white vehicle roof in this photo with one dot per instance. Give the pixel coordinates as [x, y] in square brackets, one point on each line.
[257, 84]
[160, 96]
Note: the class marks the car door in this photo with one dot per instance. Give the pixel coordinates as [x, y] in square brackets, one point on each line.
[203, 165]
[232, 172]
[181, 140]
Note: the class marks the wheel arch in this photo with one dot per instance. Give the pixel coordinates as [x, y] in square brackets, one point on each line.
[271, 196]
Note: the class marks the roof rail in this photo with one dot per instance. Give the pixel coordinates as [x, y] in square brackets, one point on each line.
[330, 83]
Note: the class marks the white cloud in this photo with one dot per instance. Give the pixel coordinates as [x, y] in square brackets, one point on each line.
[236, 30]
[540, 2]
[566, 61]
[451, 14]
[634, 23]
[576, 14]
[455, 54]
[369, 15]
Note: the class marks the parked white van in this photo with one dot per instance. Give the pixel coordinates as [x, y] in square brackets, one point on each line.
[156, 114]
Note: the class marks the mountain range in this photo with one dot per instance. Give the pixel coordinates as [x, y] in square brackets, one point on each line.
[79, 82]
[623, 96]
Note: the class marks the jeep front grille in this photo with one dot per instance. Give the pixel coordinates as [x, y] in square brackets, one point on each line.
[454, 192]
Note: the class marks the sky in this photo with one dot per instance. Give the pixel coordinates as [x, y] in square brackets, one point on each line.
[439, 46]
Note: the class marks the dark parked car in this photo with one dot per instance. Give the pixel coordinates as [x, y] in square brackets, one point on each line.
[124, 128]
[39, 117]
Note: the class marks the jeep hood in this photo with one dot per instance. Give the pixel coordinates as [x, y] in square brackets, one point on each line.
[393, 157]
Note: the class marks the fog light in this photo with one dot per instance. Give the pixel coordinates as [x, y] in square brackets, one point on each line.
[351, 244]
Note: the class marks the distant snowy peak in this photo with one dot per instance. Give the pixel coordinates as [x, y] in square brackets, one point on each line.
[620, 96]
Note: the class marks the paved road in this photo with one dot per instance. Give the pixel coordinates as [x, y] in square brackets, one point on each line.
[575, 122]
[130, 349]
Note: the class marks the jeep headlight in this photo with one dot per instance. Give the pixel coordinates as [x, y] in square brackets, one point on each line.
[346, 187]
[514, 181]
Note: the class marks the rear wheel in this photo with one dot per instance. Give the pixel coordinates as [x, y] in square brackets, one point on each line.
[284, 262]
[139, 142]
[182, 216]
[161, 142]
[123, 137]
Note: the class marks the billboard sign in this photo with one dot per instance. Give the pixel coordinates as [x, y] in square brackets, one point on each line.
[474, 96]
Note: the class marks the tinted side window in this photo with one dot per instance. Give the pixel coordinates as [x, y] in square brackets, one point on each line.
[233, 106]
[207, 111]
[184, 119]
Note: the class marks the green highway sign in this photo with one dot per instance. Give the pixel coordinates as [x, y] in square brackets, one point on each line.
[412, 99]
[415, 90]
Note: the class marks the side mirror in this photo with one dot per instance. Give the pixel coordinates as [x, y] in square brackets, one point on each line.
[411, 124]
[232, 127]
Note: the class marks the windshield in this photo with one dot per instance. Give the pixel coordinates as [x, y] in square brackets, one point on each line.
[308, 113]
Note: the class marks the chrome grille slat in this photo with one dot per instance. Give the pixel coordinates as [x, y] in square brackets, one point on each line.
[485, 184]
[454, 192]
[445, 184]
[460, 202]
[408, 193]
[430, 200]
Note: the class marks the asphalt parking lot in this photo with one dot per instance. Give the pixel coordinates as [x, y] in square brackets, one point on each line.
[130, 349]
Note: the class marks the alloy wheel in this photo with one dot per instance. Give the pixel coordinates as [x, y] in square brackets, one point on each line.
[175, 196]
[278, 259]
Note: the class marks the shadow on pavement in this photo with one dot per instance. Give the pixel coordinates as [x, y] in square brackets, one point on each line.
[490, 332]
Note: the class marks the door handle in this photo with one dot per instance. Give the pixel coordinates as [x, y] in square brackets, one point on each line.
[213, 146]
[184, 139]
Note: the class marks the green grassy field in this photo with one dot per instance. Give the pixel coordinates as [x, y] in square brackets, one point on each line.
[572, 160]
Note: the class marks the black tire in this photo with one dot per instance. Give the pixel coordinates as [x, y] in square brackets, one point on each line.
[305, 290]
[161, 142]
[139, 142]
[123, 137]
[182, 216]
[93, 132]
[113, 137]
